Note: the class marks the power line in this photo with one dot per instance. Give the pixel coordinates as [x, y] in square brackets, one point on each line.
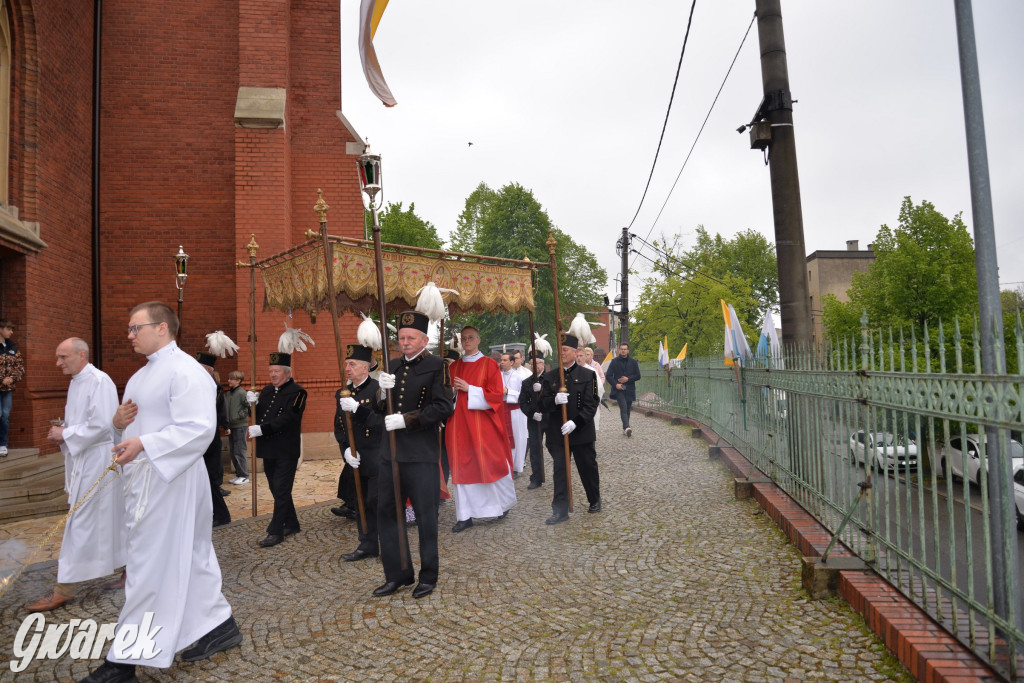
[694, 145]
[665, 124]
[670, 257]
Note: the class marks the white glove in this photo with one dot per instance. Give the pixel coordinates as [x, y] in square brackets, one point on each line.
[538, 417]
[393, 422]
[348, 404]
[561, 398]
[353, 462]
[568, 428]
[386, 381]
[251, 396]
[255, 431]
[537, 386]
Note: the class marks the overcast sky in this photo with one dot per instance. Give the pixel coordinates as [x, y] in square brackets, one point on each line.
[568, 99]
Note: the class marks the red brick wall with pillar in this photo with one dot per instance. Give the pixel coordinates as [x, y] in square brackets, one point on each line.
[47, 294]
[294, 45]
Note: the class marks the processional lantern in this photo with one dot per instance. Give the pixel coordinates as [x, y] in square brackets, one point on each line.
[369, 174]
[180, 270]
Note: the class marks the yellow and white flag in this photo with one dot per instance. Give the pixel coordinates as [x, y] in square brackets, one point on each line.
[370, 12]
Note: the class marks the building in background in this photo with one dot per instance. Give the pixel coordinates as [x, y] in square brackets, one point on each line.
[831, 272]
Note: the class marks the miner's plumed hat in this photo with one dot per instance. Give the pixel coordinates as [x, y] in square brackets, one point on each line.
[413, 319]
[451, 354]
[293, 339]
[206, 358]
[359, 352]
[567, 339]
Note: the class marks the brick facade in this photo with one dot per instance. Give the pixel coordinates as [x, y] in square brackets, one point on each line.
[175, 168]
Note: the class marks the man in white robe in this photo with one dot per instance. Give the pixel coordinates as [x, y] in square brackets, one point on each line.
[163, 425]
[92, 544]
[513, 382]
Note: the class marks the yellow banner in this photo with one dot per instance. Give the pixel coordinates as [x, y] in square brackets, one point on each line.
[299, 282]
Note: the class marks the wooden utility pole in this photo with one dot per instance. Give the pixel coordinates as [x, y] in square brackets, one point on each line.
[777, 108]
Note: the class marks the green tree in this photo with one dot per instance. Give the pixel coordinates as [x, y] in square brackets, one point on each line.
[683, 297]
[511, 223]
[923, 272]
[405, 227]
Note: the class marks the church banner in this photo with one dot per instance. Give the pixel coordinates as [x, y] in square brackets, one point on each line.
[298, 283]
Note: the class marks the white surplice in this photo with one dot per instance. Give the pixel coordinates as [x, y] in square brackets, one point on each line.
[93, 543]
[513, 382]
[172, 568]
[594, 367]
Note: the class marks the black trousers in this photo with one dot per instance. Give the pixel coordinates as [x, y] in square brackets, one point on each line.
[369, 542]
[421, 483]
[625, 404]
[535, 445]
[347, 485]
[280, 477]
[585, 456]
[215, 470]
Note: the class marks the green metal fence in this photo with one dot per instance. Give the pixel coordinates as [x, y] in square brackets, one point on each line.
[889, 409]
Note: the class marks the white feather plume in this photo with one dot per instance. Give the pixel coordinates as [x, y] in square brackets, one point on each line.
[430, 301]
[368, 334]
[220, 344]
[580, 328]
[293, 339]
[541, 345]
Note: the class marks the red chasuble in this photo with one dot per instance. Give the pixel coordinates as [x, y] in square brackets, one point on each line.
[478, 451]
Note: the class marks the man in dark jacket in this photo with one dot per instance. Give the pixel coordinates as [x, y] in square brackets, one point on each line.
[366, 408]
[580, 400]
[279, 430]
[623, 373]
[421, 398]
[537, 421]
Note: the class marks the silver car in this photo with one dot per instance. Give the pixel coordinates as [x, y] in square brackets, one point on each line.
[882, 450]
[1018, 494]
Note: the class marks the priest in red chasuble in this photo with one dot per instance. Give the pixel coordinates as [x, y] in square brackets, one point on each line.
[478, 445]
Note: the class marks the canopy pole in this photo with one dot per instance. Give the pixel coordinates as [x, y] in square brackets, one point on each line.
[558, 352]
[385, 361]
[321, 209]
[251, 265]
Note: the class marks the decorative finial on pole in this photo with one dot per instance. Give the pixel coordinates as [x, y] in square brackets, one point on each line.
[321, 206]
[551, 242]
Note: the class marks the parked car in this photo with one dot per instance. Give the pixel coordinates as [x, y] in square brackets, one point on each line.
[951, 459]
[882, 450]
[1018, 494]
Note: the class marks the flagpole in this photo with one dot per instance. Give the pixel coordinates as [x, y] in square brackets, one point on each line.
[558, 351]
[251, 265]
[321, 209]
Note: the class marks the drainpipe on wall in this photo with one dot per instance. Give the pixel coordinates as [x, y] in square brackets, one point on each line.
[97, 308]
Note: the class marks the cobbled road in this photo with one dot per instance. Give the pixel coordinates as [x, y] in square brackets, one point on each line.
[674, 580]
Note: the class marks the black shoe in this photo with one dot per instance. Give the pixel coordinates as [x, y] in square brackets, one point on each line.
[225, 493]
[422, 590]
[112, 672]
[271, 539]
[289, 532]
[503, 515]
[357, 555]
[515, 475]
[344, 511]
[533, 485]
[391, 586]
[219, 639]
[557, 518]
[629, 431]
[462, 525]
[596, 507]
[221, 522]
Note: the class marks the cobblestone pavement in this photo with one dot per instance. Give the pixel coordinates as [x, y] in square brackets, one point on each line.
[674, 580]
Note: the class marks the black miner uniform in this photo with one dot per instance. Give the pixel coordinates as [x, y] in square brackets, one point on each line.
[368, 427]
[279, 414]
[529, 403]
[421, 396]
[581, 385]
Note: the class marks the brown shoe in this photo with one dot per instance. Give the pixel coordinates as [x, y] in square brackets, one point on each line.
[117, 583]
[51, 601]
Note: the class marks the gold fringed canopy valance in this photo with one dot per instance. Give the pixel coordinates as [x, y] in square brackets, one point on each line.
[295, 280]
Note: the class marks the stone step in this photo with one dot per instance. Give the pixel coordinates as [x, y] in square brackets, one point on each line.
[40, 489]
[28, 470]
[38, 508]
[16, 455]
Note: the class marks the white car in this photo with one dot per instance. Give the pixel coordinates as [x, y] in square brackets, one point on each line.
[951, 459]
[1018, 494]
[882, 450]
